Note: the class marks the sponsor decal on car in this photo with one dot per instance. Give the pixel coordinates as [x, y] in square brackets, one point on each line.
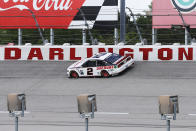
[81, 72]
[105, 67]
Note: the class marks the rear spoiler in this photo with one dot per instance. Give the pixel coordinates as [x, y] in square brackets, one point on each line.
[122, 61]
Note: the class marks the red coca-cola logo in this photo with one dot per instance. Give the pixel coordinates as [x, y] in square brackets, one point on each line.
[37, 4]
[50, 13]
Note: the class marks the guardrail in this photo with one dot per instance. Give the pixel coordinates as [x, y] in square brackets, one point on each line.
[68, 52]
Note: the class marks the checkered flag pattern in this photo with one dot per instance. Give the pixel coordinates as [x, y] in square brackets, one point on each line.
[98, 13]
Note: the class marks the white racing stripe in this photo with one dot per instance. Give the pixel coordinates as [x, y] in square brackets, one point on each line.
[192, 114]
[111, 113]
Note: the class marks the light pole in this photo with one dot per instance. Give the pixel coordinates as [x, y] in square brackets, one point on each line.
[122, 21]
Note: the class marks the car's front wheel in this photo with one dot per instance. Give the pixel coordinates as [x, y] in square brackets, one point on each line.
[74, 74]
[105, 74]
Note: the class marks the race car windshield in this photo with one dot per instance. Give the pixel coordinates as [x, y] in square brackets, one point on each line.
[99, 55]
[113, 58]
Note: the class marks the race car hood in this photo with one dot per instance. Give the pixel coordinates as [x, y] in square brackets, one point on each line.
[75, 65]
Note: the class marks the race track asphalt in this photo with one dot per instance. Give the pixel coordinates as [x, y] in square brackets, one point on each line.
[126, 102]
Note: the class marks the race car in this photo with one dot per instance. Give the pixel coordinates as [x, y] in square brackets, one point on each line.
[101, 64]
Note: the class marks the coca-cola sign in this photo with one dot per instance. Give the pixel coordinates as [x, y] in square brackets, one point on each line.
[49, 13]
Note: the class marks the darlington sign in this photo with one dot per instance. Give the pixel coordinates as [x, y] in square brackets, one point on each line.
[144, 53]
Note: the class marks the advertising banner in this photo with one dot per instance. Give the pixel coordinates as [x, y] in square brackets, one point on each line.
[74, 53]
[165, 13]
[62, 14]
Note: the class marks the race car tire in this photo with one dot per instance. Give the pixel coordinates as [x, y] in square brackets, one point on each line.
[105, 74]
[74, 74]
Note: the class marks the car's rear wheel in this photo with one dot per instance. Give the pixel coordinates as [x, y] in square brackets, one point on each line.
[74, 74]
[105, 74]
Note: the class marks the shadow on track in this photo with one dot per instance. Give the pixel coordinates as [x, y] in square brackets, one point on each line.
[125, 72]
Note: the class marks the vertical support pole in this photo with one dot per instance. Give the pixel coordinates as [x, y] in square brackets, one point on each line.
[122, 21]
[83, 36]
[175, 110]
[93, 110]
[154, 36]
[52, 36]
[86, 123]
[16, 123]
[168, 125]
[23, 107]
[19, 37]
[186, 36]
[115, 36]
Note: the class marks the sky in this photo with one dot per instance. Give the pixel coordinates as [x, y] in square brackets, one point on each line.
[138, 6]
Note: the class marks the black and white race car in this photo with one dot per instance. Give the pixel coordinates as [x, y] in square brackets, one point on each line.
[101, 64]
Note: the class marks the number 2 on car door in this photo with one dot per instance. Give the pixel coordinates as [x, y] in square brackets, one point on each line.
[90, 71]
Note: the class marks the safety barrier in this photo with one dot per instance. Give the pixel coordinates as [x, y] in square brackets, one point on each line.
[72, 53]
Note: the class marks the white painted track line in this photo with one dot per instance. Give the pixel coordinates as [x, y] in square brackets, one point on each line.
[111, 113]
[192, 114]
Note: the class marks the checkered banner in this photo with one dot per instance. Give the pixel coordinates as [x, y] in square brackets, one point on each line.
[98, 14]
[62, 14]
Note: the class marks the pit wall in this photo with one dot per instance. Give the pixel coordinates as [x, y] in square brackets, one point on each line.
[73, 53]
